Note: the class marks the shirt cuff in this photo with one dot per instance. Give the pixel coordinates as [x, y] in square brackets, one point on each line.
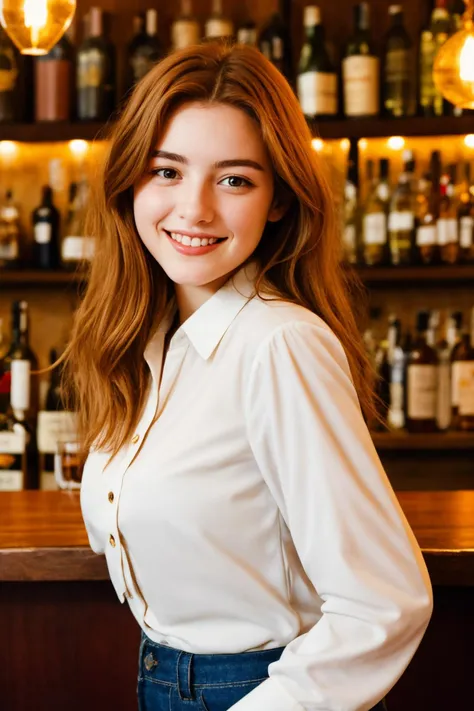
[268, 696]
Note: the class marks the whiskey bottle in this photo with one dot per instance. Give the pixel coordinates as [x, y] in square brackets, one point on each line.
[317, 76]
[427, 213]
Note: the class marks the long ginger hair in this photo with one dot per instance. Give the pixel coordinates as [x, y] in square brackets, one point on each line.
[299, 257]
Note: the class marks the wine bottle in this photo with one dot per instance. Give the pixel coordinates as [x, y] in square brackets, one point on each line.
[247, 33]
[463, 363]
[432, 102]
[317, 77]
[95, 72]
[185, 30]
[360, 68]
[351, 208]
[399, 91]
[45, 219]
[422, 381]
[374, 229]
[218, 26]
[145, 49]
[427, 213]
[10, 233]
[465, 214]
[54, 82]
[397, 362]
[401, 220]
[77, 248]
[444, 350]
[274, 43]
[447, 226]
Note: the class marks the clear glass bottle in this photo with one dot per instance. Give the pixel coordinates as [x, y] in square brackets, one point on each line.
[317, 75]
[77, 248]
[432, 102]
[398, 89]
[185, 30]
[401, 219]
[374, 221]
[10, 233]
[96, 80]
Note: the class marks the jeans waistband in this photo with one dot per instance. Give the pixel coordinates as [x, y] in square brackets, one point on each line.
[186, 669]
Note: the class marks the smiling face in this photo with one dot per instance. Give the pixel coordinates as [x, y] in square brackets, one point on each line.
[207, 194]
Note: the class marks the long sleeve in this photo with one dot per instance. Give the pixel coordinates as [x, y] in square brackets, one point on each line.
[315, 453]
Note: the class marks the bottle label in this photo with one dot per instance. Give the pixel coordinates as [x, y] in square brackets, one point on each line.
[20, 384]
[361, 85]
[401, 221]
[43, 232]
[8, 248]
[12, 448]
[447, 230]
[54, 427]
[375, 228]
[140, 67]
[466, 388]
[421, 392]
[90, 69]
[426, 235]
[185, 33]
[317, 93]
[398, 66]
[466, 232]
[455, 375]
[349, 239]
[219, 27]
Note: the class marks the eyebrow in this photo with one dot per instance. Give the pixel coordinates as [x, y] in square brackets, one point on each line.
[232, 163]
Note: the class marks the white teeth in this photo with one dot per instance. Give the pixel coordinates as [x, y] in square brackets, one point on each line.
[192, 242]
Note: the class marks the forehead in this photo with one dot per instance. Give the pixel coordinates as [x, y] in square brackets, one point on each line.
[213, 132]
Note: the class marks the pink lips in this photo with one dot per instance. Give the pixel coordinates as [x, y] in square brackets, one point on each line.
[192, 251]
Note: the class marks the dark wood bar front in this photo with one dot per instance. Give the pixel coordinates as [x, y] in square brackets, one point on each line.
[67, 643]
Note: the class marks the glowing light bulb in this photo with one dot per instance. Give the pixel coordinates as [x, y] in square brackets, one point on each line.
[78, 147]
[363, 144]
[35, 26]
[317, 144]
[396, 143]
[469, 140]
[345, 144]
[453, 69]
[8, 149]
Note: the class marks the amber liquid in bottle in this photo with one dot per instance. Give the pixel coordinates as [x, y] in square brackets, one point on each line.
[422, 380]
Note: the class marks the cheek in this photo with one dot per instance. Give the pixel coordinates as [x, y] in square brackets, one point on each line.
[147, 209]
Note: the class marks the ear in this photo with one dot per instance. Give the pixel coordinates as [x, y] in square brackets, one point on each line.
[277, 209]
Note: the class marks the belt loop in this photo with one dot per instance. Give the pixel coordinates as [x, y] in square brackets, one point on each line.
[183, 676]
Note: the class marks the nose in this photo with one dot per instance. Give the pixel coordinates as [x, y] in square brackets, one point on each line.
[197, 203]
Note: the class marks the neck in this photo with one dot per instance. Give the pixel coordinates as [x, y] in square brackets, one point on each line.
[190, 298]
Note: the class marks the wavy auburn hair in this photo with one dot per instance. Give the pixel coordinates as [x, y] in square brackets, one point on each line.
[299, 257]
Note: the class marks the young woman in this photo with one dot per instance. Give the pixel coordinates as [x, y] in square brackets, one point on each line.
[220, 382]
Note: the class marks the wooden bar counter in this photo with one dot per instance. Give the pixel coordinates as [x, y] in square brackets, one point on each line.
[66, 641]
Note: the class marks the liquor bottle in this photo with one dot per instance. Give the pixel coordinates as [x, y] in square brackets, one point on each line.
[10, 233]
[444, 351]
[185, 30]
[398, 89]
[95, 72]
[54, 82]
[20, 351]
[422, 372]
[217, 25]
[397, 362]
[274, 44]
[432, 102]
[374, 223]
[317, 77]
[55, 425]
[145, 49]
[447, 226]
[9, 78]
[45, 219]
[360, 68]
[427, 213]
[247, 33]
[401, 219]
[351, 208]
[77, 248]
[463, 372]
[465, 214]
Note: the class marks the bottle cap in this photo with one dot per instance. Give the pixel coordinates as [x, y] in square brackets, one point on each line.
[95, 21]
[312, 16]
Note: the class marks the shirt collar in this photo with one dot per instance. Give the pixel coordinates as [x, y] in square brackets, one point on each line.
[206, 327]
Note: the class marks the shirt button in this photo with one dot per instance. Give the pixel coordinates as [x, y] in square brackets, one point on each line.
[111, 496]
[112, 541]
[135, 438]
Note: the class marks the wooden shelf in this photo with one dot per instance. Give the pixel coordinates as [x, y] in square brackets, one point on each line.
[388, 276]
[436, 441]
[29, 277]
[52, 131]
[383, 127]
[339, 128]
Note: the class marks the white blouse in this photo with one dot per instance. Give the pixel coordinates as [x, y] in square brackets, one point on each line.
[250, 509]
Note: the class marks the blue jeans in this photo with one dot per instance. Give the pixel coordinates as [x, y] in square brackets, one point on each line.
[172, 680]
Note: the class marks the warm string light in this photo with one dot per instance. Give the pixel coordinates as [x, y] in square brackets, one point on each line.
[35, 26]
[396, 143]
[318, 144]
